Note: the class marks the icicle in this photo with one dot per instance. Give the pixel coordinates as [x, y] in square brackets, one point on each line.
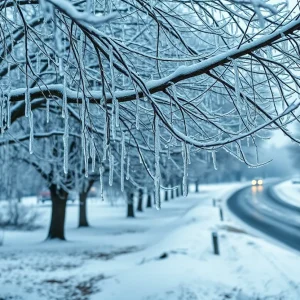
[216, 41]
[27, 101]
[38, 63]
[184, 157]
[188, 148]
[137, 112]
[238, 151]
[47, 110]
[59, 47]
[64, 97]
[122, 160]
[157, 166]
[269, 52]
[237, 81]
[128, 167]
[174, 90]
[83, 111]
[169, 152]
[83, 147]
[105, 139]
[60, 66]
[93, 155]
[101, 182]
[86, 158]
[213, 155]
[80, 46]
[8, 112]
[115, 103]
[1, 113]
[111, 168]
[9, 73]
[117, 112]
[113, 125]
[66, 141]
[31, 133]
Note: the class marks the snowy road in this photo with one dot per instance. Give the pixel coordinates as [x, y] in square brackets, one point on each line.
[261, 208]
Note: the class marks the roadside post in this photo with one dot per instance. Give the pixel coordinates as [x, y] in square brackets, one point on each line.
[215, 243]
[221, 213]
[214, 202]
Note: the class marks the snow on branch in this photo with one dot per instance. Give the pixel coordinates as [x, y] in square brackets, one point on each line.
[154, 86]
[68, 9]
[258, 5]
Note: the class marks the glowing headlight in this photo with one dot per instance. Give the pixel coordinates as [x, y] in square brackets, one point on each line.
[253, 182]
[260, 182]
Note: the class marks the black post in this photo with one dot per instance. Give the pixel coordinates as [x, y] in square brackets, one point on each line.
[197, 186]
[221, 214]
[214, 202]
[215, 243]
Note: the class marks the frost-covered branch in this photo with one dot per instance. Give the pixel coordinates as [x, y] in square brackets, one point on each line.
[68, 9]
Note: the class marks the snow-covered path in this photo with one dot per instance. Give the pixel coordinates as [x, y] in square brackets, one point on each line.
[163, 255]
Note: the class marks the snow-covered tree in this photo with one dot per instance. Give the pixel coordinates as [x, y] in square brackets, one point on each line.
[150, 78]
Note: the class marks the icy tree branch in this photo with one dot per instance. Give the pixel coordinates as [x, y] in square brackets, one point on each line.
[68, 9]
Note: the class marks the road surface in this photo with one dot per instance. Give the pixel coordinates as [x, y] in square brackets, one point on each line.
[262, 209]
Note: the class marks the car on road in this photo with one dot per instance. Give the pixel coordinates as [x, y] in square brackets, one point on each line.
[257, 181]
[45, 196]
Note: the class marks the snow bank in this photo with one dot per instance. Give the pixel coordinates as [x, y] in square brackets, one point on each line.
[165, 255]
[183, 266]
[288, 192]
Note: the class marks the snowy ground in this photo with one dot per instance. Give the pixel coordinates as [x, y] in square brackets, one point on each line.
[289, 192]
[161, 255]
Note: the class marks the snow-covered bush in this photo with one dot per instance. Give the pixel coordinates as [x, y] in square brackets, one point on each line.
[16, 215]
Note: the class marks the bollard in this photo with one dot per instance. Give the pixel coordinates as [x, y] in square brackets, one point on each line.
[215, 243]
[221, 214]
[214, 202]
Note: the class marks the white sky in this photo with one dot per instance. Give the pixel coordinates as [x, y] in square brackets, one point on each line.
[278, 139]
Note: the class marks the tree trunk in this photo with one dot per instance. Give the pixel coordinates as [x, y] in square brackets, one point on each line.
[197, 186]
[57, 225]
[181, 190]
[172, 193]
[140, 201]
[149, 201]
[166, 195]
[177, 191]
[83, 222]
[130, 205]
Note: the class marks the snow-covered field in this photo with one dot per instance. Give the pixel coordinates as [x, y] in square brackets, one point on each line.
[289, 192]
[160, 255]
